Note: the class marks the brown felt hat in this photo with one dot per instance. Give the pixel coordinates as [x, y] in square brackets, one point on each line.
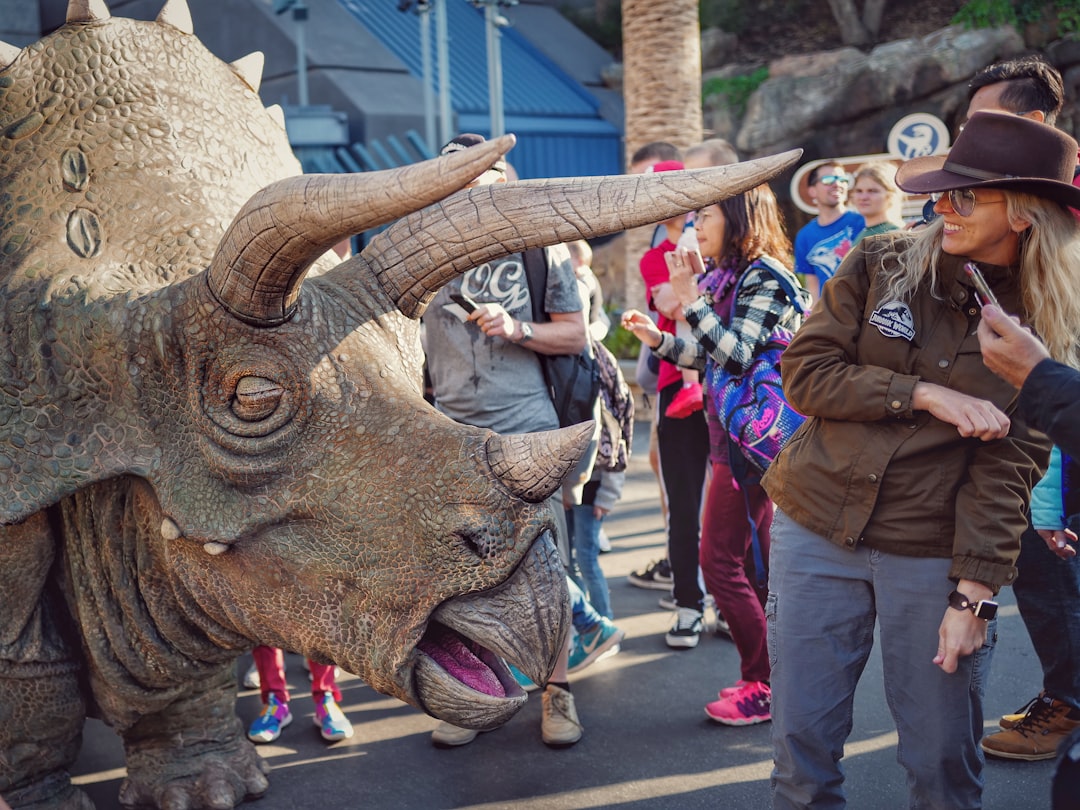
[1000, 150]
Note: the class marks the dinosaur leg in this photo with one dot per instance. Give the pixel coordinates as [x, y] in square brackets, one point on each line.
[41, 703]
[194, 753]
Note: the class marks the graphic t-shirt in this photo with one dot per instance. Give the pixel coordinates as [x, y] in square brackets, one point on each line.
[820, 249]
[486, 381]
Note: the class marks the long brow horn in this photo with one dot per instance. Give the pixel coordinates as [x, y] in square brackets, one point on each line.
[533, 465]
[414, 257]
[260, 263]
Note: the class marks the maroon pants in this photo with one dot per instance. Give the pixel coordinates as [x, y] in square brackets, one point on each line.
[271, 665]
[727, 565]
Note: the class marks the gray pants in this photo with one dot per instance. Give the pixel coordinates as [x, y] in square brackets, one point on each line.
[823, 604]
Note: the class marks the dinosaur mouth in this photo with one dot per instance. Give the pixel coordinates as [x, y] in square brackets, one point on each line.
[468, 661]
[460, 672]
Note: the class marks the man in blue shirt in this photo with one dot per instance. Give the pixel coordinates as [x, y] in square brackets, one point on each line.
[824, 241]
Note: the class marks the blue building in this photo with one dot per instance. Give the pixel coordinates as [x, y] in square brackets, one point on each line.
[563, 127]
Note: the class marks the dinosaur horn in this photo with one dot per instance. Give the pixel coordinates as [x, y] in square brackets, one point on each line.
[417, 255]
[250, 69]
[177, 14]
[260, 263]
[86, 11]
[8, 53]
[533, 465]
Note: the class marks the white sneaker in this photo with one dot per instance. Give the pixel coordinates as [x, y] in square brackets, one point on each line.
[559, 724]
[605, 542]
[447, 735]
[251, 678]
[686, 632]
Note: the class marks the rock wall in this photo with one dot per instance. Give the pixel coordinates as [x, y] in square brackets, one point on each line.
[844, 102]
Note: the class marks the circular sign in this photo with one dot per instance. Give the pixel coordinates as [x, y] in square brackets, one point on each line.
[918, 135]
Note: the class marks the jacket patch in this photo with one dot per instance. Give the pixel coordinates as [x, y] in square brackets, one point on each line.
[894, 319]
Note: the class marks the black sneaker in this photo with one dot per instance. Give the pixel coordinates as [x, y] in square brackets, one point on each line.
[686, 631]
[657, 576]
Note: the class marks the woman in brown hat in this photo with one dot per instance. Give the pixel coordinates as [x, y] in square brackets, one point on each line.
[901, 500]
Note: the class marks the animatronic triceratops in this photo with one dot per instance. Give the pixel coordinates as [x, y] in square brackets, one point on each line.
[200, 451]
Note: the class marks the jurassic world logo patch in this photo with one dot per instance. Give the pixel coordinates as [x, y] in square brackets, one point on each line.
[894, 319]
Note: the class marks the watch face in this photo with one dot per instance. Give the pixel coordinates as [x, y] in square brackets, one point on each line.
[986, 609]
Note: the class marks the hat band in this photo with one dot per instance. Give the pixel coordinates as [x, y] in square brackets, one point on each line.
[977, 174]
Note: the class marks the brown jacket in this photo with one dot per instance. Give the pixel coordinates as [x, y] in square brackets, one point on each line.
[867, 470]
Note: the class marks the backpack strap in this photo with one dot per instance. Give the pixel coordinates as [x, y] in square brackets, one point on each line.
[780, 273]
[536, 273]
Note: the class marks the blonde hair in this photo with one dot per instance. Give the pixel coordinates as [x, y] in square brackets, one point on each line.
[1049, 252]
[883, 173]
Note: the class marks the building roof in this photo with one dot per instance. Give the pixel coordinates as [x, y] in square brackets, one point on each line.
[559, 123]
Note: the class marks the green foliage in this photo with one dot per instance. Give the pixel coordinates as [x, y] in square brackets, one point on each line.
[1018, 13]
[735, 90]
[621, 342]
[736, 16]
[606, 32]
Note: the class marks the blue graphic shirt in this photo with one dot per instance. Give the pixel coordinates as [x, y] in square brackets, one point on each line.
[820, 249]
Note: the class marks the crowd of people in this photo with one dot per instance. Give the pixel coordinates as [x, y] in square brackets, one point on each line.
[921, 482]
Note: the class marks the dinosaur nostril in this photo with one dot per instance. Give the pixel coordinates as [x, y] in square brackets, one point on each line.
[479, 543]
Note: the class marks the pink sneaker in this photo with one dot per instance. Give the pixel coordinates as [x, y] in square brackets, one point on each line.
[728, 691]
[749, 704]
[690, 399]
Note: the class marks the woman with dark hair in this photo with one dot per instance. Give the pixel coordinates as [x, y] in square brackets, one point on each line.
[733, 312]
[901, 500]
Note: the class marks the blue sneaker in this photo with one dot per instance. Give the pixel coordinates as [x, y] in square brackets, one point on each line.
[523, 680]
[268, 725]
[332, 723]
[601, 641]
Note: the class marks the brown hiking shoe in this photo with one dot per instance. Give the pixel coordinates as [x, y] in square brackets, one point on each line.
[1037, 735]
[1012, 720]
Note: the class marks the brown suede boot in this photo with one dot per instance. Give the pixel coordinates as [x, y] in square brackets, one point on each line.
[1038, 734]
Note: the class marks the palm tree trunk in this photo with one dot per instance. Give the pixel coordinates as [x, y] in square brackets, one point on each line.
[661, 94]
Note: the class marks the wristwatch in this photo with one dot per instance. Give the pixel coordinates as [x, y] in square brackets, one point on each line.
[526, 332]
[984, 609]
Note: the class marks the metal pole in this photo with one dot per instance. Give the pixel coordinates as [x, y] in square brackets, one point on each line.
[429, 78]
[300, 14]
[442, 54]
[494, 60]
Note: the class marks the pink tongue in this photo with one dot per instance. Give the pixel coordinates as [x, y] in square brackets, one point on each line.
[449, 652]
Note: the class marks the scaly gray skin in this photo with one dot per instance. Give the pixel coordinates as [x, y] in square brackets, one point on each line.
[213, 436]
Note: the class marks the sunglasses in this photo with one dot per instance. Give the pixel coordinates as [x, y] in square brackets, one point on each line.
[962, 200]
[833, 179]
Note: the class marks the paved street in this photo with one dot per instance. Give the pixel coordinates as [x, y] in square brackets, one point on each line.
[647, 741]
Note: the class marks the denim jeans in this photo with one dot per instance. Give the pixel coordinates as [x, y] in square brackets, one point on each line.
[1048, 595]
[823, 604]
[586, 550]
[582, 614]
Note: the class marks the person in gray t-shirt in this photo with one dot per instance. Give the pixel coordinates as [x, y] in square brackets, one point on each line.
[484, 372]
[492, 379]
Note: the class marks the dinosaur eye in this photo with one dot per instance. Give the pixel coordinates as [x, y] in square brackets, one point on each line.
[256, 398]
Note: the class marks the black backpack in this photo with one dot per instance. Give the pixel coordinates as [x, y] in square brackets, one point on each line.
[573, 380]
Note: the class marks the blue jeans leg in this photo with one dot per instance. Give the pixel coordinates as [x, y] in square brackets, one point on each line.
[587, 553]
[1048, 595]
[582, 614]
[823, 604]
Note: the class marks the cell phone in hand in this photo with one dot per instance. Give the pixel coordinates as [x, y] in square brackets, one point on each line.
[464, 302]
[983, 292]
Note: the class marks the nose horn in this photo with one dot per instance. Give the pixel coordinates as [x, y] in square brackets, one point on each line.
[533, 465]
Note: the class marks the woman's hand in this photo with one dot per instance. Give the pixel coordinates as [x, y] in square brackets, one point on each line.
[643, 328]
[683, 268]
[1058, 542]
[971, 416]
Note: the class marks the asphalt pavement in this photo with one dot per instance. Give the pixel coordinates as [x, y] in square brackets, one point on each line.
[647, 743]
